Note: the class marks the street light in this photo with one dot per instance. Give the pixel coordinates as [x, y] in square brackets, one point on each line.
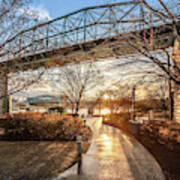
[134, 98]
[133, 102]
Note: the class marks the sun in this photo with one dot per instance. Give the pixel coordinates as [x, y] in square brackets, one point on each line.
[105, 111]
[105, 97]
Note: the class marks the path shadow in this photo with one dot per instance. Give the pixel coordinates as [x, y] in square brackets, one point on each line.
[142, 164]
[29, 160]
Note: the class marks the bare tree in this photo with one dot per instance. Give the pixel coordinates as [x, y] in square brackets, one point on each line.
[147, 39]
[75, 81]
[117, 99]
[96, 101]
[14, 19]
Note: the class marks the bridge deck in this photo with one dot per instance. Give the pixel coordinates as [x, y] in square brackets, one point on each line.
[89, 33]
[102, 48]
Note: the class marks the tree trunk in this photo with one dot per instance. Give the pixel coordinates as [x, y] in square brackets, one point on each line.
[77, 107]
[100, 109]
[171, 109]
[72, 109]
[3, 93]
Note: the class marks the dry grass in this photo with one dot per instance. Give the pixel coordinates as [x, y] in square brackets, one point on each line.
[33, 160]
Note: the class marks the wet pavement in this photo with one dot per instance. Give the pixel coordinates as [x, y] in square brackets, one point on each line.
[114, 156]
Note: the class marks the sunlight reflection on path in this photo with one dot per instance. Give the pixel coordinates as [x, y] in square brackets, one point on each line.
[106, 159]
[114, 156]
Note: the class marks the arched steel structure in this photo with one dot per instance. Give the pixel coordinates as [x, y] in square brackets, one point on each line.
[81, 27]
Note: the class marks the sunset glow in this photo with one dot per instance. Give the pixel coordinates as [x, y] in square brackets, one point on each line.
[105, 111]
[105, 96]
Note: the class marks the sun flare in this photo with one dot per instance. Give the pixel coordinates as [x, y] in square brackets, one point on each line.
[105, 111]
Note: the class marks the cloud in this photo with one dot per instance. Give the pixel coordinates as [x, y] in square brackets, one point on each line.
[35, 12]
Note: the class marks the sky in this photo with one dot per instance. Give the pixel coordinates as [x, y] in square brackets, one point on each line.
[57, 8]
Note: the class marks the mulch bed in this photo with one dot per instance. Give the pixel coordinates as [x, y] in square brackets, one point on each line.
[168, 158]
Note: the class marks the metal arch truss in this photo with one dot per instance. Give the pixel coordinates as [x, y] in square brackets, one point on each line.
[82, 26]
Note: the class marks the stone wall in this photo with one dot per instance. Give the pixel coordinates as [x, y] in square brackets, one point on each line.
[176, 58]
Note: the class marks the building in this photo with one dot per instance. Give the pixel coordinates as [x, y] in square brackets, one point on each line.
[42, 103]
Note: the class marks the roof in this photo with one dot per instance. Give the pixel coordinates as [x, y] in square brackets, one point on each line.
[43, 99]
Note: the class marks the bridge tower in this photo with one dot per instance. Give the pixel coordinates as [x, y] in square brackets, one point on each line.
[176, 58]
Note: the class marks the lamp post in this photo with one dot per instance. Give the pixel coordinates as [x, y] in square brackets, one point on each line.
[140, 82]
[133, 102]
[79, 149]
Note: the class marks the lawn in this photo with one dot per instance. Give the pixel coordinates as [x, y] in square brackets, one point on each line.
[39, 146]
[36, 160]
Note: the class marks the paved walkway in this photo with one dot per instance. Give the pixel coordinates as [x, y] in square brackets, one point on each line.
[114, 156]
